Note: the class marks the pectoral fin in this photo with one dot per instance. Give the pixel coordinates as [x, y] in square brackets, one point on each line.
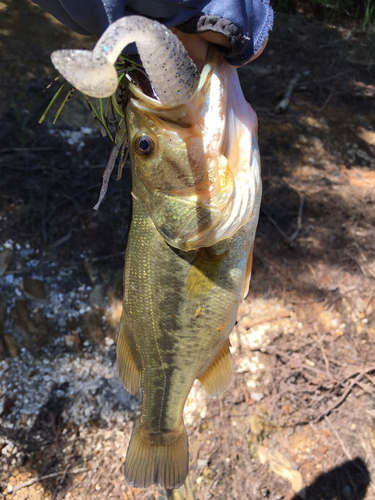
[245, 290]
[219, 375]
[203, 273]
[128, 370]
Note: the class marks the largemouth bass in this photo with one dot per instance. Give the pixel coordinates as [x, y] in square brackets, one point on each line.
[180, 305]
[196, 195]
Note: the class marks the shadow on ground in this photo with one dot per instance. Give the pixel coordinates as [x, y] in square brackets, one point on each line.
[349, 480]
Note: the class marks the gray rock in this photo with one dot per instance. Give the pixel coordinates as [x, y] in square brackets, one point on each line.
[6, 258]
[34, 288]
[93, 330]
[257, 396]
[21, 316]
[36, 332]
[11, 345]
[124, 397]
[97, 296]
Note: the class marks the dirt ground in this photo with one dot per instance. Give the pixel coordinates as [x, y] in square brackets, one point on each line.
[300, 417]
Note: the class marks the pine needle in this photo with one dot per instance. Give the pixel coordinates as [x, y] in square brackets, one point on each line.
[106, 114]
[67, 97]
[116, 106]
[98, 117]
[53, 100]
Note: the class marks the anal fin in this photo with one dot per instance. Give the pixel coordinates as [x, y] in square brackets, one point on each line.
[219, 375]
[128, 370]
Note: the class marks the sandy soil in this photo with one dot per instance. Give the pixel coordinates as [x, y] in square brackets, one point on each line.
[301, 413]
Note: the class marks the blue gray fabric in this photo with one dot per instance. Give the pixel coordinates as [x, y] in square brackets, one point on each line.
[245, 23]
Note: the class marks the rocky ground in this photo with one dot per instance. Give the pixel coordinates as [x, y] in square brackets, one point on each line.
[300, 417]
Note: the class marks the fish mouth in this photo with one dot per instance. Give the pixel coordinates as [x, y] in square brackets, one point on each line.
[228, 196]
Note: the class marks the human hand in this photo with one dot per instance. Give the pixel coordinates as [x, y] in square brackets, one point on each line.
[197, 45]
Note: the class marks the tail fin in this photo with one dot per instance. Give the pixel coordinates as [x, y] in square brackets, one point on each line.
[157, 458]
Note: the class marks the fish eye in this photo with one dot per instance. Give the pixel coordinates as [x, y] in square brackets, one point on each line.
[144, 145]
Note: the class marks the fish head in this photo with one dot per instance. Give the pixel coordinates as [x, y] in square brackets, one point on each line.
[196, 165]
[165, 147]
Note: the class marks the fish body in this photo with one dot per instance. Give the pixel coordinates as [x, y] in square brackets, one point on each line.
[181, 294]
[179, 309]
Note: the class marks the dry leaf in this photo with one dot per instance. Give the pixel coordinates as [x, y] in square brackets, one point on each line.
[281, 466]
[262, 454]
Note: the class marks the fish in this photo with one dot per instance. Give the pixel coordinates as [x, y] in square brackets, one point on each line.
[196, 192]
[184, 277]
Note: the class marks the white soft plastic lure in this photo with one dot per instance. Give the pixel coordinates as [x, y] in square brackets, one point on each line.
[173, 74]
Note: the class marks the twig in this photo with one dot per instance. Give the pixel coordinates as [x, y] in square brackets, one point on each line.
[368, 267]
[370, 379]
[326, 361]
[268, 320]
[299, 220]
[271, 219]
[268, 264]
[331, 93]
[312, 301]
[109, 256]
[61, 240]
[285, 101]
[60, 482]
[339, 296]
[25, 150]
[293, 365]
[38, 479]
[333, 389]
[346, 451]
[338, 483]
[70, 198]
[353, 485]
[289, 239]
[107, 173]
[365, 388]
[365, 268]
[301, 194]
[365, 443]
[344, 395]
[71, 487]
